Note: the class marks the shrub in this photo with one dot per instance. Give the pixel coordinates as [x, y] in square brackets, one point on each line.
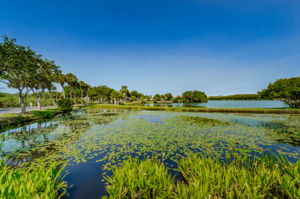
[65, 104]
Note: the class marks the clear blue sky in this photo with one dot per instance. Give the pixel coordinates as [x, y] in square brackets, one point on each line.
[157, 46]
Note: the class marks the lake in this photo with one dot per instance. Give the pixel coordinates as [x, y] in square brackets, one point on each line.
[231, 104]
[92, 141]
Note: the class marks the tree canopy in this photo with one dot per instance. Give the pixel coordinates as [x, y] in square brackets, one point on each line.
[287, 89]
[194, 96]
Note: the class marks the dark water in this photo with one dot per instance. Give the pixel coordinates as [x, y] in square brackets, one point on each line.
[231, 104]
[84, 138]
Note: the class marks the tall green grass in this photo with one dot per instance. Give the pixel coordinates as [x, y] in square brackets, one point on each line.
[242, 177]
[31, 182]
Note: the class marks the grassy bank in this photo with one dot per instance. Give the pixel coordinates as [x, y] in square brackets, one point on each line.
[15, 119]
[201, 109]
[266, 177]
[33, 182]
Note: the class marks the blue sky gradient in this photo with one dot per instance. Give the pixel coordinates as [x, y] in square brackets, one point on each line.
[159, 46]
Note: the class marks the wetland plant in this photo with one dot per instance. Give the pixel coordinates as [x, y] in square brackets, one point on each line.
[204, 121]
[241, 177]
[140, 179]
[31, 182]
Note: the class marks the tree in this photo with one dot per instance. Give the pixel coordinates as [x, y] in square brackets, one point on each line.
[168, 97]
[194, 96]
[61, 79]
[287, 89]
[116, 96]
[187, 96]
[124, 93]
[83, 88]
[72, 82]
[43, 78]
[157, 97]
[18, 66]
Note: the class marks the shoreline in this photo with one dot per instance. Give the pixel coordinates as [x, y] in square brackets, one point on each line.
[15, 119]
[200, 109]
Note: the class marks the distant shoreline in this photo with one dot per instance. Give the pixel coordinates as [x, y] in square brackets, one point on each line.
[201, 109]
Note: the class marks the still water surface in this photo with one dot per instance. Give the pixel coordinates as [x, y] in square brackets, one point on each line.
[91, 141]
[231, 104]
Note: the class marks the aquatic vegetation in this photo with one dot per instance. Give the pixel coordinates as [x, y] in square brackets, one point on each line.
[109, 137]
[32, 182]
[140, 179]
[266, 177]
[241, 177]
[203, 121]
[199, 109]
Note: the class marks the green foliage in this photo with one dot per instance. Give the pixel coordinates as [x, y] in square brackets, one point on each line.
[8, 100]
[33, 182]
[266, 177]
[194, 96]
[47, 114]
[140, 179]
[236, 97]
[204, 121]
[287, 89]
[65, 104]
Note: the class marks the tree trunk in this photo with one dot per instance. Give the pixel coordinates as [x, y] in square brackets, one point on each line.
[38, 101]
[22, 101]
[63, 90]
[75, 97]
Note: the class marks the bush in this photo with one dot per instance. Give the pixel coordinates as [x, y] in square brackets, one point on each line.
[65, 104]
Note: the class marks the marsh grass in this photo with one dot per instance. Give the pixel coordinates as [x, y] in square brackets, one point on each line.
[31, 182]
[241, 177]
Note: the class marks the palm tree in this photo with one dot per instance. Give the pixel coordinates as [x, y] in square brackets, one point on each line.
[83, 88]
[72, 81]
[61, 79]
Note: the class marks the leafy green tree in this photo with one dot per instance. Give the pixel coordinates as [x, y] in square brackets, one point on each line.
[168, 97]
[287, 89]
[83, 89]
[18, 67]
[194, 96]
[60, 78]
[42, 78]
[124, 93]
[73, 84]
[157, 97]
[187, 96]
[116, 96]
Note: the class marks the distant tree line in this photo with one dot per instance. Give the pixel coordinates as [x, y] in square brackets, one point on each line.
[236, 97]
[36, 77]
[186, 97]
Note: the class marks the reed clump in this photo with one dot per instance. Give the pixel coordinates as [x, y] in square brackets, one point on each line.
[241, 177]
